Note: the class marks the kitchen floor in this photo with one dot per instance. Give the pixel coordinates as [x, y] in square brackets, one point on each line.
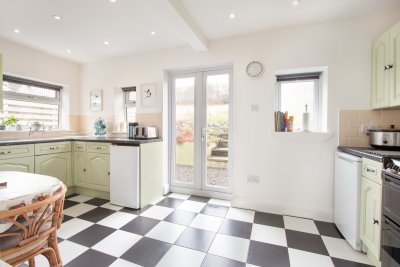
[182, 230]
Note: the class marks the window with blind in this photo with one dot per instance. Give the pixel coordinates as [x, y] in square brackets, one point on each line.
[295, 91]
[129, 103]
[31, 101]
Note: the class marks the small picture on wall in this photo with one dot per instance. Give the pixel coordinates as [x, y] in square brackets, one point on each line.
[96, 101]
[148, 93]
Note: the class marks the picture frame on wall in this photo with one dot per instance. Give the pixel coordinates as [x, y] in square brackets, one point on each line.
[148, 94]
[96, 100]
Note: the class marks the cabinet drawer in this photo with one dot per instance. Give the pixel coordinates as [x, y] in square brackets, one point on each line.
[96, 147]
[372, 170]
[78, 146]
[17, 151]
[52, 148]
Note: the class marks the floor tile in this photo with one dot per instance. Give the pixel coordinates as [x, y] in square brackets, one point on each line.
[206, 222]
[179, 196]
[181, 257]
[269, 219]
[196, 239]
[97, 201]
[71, 196]
[300, 224]
[344, 263]
[140, 225]
[117, 243]
[240, 215]
[136, 211]
[170, 202]
[199, 199]
[213, 261]
[78, 210]
[305, 241]
[220, 202]
[155, 201]
[123, 263]
[215, 210]
[146, 252]
[66, 218]
[72, 227]
[299, 258]
[268, 255]
[339, 248]
[111, 206]
[96, 214]
[230, 247]
[183, 217]
[80, 198]
[193, 206]
[117, 219]
[167, 232]
[236, 228]
[157, 212]
[269, 234]
[92, 258]
[68, 204]
[328, 229]
[91, 235]
[69, 251]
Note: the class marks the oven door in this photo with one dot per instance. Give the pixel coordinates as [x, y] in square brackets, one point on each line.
[391, 197]
[390, 253]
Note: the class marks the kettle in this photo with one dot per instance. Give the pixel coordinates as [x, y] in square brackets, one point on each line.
[131, 129]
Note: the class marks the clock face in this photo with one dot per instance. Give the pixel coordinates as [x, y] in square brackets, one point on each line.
[254, 69]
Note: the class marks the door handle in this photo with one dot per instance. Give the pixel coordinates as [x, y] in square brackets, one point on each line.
[203, 134]
[374, 221]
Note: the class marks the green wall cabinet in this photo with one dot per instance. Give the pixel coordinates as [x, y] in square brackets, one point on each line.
[98, 171]
[56, 165]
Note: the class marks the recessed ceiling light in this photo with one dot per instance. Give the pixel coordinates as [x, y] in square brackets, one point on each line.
[106, 42]
[69, 51]
[153, 33]
[56, 17]
[295, 3]
[16, 31]
[232, 15]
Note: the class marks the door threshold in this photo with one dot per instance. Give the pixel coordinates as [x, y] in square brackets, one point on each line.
[201, 193]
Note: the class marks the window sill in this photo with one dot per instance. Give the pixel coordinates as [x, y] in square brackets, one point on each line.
[302, 137]
[38, 131]
[117, 132]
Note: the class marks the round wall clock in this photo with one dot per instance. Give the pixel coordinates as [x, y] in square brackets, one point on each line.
[254, 69]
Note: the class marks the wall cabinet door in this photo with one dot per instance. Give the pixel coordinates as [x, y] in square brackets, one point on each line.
[98, 171]
[370, 217]
[26, 164]
[380, 76]
[79, 168]
[56, 165]
[395, 61]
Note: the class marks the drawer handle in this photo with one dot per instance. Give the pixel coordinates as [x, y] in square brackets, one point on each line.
[8, 152]
[52, 148]
[374, 221]
[371, 170]
[2, 153]
[79, 146]
[99, 147]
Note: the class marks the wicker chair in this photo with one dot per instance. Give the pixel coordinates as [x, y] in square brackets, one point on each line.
[33, 231]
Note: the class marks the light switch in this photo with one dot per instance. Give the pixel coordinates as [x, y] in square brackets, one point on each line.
[254, 107]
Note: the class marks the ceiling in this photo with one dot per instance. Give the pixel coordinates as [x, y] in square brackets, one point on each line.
[127, 24]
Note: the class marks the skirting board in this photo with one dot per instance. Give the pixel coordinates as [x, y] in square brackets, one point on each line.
[202, 193]
[279, 208]
[88, 192]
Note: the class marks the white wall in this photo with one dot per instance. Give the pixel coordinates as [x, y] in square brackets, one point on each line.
[31, 63]
[296, 177]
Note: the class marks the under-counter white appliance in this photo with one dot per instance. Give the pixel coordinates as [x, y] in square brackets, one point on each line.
[347, 197]
[124, 176]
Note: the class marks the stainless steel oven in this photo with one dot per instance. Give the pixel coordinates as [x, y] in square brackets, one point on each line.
[390, 252]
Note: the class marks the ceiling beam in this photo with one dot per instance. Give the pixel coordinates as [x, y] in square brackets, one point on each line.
[177, 16]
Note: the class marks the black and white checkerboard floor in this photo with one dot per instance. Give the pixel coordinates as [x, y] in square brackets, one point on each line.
[188, 231]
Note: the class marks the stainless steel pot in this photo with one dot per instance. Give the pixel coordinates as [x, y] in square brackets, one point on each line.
[384, 138]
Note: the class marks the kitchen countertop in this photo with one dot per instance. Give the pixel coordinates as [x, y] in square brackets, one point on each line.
[361, 152]
[113, 140]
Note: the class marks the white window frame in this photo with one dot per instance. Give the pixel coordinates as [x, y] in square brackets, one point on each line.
[128, 103]
[319, 94]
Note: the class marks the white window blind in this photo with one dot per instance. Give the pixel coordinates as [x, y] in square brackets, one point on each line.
[130, 103]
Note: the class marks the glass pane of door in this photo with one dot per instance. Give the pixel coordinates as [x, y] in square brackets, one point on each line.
[184, 130]
[217, 129]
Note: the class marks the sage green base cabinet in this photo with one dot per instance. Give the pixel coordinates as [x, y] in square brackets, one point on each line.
[26, 164]
[98, 171]
[57, 165]
[79, 168]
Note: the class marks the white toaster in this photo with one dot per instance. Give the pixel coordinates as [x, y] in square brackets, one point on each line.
[145, 132]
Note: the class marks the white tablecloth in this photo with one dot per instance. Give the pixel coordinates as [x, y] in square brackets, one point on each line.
[23, 189]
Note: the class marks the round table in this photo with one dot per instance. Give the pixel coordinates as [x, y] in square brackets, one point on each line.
[23, 189]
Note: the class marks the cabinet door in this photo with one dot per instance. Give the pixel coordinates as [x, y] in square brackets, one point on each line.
[98, 171]
[1, 82]
[56, 165]
[26, 164]
[380, 76]
[395, 61]
[370, 217]
[79, 167]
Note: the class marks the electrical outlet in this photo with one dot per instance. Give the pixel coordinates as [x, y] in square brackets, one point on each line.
[254, 179]
[254, 107]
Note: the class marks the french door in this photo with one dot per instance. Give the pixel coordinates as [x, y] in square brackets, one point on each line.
[200, 104]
